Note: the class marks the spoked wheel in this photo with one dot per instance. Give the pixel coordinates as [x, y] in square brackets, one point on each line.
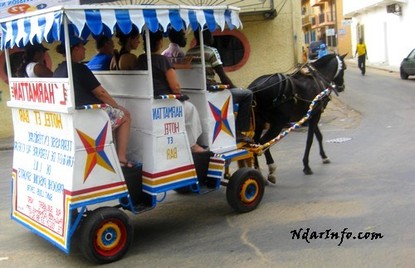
[245, 189]
[106, 234]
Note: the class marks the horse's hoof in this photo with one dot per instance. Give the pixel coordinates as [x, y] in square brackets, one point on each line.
[307, 171]
[326, 161]
[272, 179]
[272, 168]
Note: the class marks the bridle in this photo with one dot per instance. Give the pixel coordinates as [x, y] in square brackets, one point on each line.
[326, 82]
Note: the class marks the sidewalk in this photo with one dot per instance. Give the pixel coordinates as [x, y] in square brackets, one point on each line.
[379, 66]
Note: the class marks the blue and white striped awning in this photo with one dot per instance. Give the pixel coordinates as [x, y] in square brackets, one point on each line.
[47, 25]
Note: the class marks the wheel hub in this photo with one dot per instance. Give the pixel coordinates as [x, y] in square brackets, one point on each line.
[249, 191]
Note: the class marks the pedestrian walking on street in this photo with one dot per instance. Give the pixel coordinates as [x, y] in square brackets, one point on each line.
[361, 52]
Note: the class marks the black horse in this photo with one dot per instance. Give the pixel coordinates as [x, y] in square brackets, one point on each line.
[284, 98]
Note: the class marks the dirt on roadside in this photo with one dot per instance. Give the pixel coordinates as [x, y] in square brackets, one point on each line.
[341, 115]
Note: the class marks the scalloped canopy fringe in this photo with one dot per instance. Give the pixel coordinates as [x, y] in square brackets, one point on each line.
[47, 26]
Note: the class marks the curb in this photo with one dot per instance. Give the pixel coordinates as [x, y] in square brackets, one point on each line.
[392, 69]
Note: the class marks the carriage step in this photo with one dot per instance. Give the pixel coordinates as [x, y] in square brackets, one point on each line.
[205, 190]
[139, 208]
[224, 183]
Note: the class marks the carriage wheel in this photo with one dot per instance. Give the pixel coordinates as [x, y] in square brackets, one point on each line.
[245, 189]
[106, 234]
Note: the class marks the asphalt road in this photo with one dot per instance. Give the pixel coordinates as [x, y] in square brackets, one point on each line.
[360, 209]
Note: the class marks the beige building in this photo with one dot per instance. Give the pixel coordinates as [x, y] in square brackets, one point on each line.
[323, 20]
[270, 41]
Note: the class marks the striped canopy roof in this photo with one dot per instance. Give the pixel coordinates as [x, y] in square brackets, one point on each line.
[46, 25]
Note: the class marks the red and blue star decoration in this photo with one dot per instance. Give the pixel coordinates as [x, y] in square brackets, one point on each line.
[221, 118]
[95, 150]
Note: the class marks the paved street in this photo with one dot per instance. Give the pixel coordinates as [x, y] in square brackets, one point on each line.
[357, 211]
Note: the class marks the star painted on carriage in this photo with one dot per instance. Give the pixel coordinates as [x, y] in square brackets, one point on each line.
[221, 118]
[95, 150]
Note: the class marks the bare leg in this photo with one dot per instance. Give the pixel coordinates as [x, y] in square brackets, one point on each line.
[122, 136]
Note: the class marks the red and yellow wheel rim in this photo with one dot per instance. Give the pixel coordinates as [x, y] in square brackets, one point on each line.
[110, 237]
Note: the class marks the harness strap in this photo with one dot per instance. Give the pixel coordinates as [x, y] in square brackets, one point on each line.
[260, 148]
[281, 97]
[325, 82]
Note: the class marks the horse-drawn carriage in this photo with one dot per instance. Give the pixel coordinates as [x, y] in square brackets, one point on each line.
[66, 177]
[66, 174]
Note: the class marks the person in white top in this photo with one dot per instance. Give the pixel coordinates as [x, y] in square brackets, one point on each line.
[33, 64]
[175, 53]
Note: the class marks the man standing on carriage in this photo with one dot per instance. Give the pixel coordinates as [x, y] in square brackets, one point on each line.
[213, 63]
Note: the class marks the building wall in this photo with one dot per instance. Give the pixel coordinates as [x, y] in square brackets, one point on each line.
[275, 47]
[317, 30]
[388, 36]
[344, 34]
[275, 44]
[5, 113]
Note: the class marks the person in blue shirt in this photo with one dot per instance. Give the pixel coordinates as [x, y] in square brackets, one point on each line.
[101, 61]
[322, 50]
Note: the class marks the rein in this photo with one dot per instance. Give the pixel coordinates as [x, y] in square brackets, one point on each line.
[326, 82]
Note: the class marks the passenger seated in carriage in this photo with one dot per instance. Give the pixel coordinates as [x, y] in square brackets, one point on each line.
[33, 64]
[165, 82]
[213, 63]
[102, 60]
[88, 90]
[125, 60]
[175, 52]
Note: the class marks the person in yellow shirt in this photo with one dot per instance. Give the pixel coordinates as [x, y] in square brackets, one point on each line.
[361, 52]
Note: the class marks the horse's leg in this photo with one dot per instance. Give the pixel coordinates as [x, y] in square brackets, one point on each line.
[259, 127]
[270, 134]
[319, 137]
[312, 125]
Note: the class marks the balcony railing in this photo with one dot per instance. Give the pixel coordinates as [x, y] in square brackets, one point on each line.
[323, 19]
[306, 20]
[314, 3]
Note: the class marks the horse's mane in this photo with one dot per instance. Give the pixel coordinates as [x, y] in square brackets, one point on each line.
[323, 61]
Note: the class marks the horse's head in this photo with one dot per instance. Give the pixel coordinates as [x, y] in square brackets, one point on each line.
[332, 67]
[338, 79]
